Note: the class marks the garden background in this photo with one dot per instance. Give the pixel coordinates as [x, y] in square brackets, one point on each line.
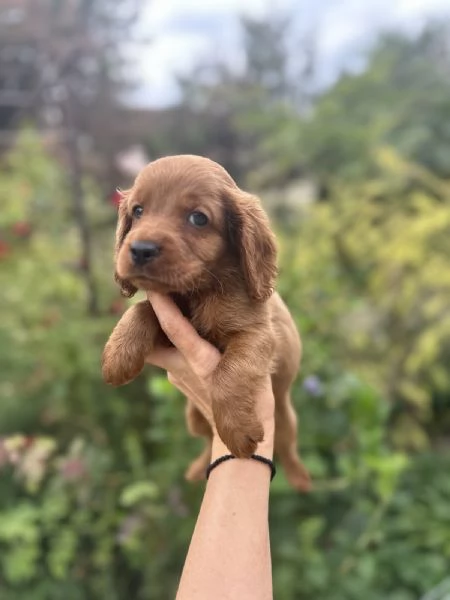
[355, 173]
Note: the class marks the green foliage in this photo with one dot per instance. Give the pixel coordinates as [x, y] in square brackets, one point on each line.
[401, 99]
[375, 289]
[76, 491]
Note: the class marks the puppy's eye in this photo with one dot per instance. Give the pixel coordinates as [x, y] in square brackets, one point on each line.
[137, 211]
[198, 219]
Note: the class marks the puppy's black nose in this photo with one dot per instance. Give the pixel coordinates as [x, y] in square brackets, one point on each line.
[143, 252]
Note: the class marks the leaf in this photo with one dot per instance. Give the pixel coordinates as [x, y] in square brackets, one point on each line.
[138, 492]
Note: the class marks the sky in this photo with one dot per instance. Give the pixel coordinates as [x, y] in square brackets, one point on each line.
[184, 33]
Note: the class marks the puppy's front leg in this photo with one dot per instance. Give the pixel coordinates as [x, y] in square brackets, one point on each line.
[237, 379]
[130, 342]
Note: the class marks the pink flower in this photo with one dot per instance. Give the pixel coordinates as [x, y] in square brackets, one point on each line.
[73, 469]
[4, 249]
[22, 229]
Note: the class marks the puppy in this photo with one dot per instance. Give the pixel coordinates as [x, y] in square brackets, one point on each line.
[187, 230]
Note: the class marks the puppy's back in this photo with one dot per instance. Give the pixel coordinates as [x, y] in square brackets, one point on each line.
[288, 346]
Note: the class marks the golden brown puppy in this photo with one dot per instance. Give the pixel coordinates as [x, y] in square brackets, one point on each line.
[187, 230]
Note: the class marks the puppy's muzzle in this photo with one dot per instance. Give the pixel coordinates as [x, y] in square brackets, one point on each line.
[142, 252]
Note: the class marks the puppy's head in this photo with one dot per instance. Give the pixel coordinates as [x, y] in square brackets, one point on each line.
[183, 220]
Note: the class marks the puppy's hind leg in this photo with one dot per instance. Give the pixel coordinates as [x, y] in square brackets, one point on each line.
[286, 439]
[198, 426]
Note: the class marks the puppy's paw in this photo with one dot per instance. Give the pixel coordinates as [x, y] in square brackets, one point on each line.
[130, 343]
[240, 430]
[196, 470]
[233, 404]
[121, 365]
[298, 476]
[243, 441]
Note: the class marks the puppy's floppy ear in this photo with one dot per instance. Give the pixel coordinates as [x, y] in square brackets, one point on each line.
[123, 227]
[251, 237]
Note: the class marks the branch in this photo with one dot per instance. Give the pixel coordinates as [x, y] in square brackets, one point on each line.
[78, 203]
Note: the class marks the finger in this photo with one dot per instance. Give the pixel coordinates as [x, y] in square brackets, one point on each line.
[167, 358]
[179, 331]
[200, 402]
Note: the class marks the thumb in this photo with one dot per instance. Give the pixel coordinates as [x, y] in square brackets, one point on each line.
[198, 353]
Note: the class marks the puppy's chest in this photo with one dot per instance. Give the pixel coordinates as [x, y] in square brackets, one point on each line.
[212, 325]
[215, 321]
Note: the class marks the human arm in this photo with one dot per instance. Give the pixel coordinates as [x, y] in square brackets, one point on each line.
[229, 554]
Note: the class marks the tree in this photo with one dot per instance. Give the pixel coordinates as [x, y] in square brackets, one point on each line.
[400, 99]
[67, 67]
[227, 113]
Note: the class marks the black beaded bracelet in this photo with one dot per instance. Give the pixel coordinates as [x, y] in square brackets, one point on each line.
[257, 457]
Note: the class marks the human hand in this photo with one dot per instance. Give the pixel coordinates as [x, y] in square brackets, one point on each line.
[190, 366]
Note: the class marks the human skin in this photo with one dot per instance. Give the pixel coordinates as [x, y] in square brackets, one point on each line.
[229, 554]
